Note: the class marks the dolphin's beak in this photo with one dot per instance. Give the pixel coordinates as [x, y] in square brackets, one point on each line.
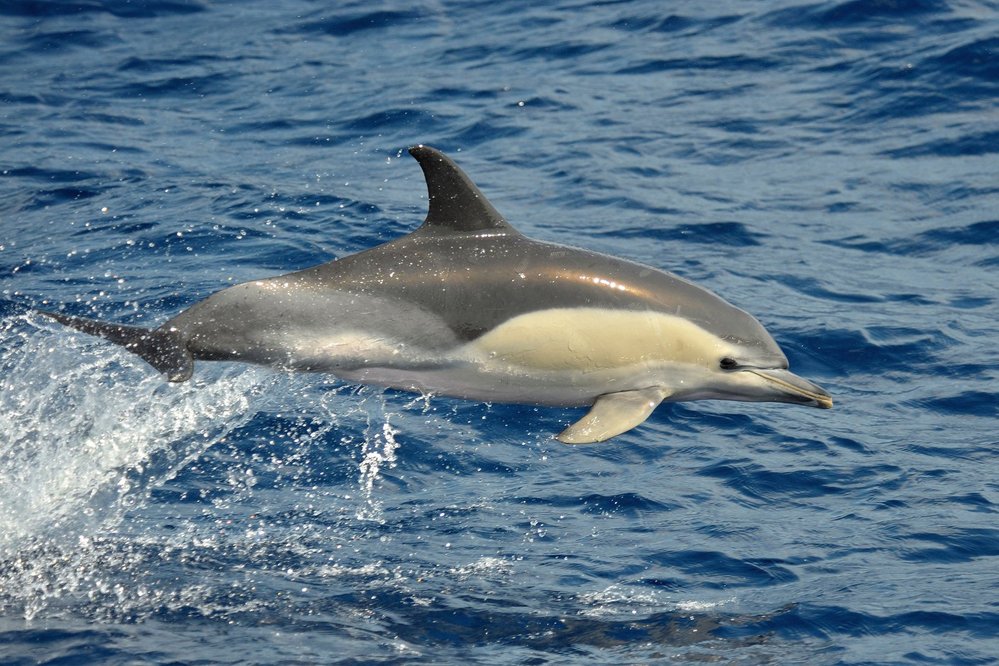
[793, 388]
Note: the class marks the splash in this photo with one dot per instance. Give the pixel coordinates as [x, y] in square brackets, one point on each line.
[85, 433]
[85, 430]
[377, 449]
[376, 452]
[624, 599]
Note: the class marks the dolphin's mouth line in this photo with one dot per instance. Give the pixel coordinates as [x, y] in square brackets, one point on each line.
[800, 388]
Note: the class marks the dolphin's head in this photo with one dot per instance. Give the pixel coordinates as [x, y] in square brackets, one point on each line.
[756, 379]
[745, 363]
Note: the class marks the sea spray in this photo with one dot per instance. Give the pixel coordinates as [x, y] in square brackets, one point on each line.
[85, 433]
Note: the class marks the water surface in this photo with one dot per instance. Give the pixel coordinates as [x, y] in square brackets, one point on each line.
[830, 167]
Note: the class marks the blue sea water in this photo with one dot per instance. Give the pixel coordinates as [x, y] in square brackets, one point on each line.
[832, 167]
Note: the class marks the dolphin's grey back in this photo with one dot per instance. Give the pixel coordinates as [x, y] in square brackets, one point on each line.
[475, 281]
[468, 266]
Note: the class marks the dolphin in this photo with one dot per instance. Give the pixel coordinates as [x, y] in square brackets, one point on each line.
[467, 306]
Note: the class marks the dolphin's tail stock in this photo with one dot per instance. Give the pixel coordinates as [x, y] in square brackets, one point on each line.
[163, 349]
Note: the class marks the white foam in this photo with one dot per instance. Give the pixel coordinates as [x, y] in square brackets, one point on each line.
[618, 599]
[86, 429]
[86, 432]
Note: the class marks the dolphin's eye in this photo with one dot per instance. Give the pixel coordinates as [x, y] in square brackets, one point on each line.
[729, 363]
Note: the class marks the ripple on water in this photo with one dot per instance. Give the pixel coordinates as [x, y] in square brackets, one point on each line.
[832, 160]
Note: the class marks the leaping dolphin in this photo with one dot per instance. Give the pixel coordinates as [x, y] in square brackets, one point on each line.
[467, 306]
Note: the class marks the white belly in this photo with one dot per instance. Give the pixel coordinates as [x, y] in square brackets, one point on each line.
[564, 356]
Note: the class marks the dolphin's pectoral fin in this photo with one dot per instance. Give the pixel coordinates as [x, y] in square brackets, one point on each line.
[613, 414]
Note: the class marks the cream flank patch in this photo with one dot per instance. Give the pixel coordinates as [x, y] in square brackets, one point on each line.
[350, 348]
[591, 339]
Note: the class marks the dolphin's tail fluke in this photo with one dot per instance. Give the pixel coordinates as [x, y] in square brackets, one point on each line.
[163, 349]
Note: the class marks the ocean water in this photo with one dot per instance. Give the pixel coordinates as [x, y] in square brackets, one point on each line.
[831, 167]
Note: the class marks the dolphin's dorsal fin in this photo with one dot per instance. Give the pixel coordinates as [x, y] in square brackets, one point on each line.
[456, 204]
